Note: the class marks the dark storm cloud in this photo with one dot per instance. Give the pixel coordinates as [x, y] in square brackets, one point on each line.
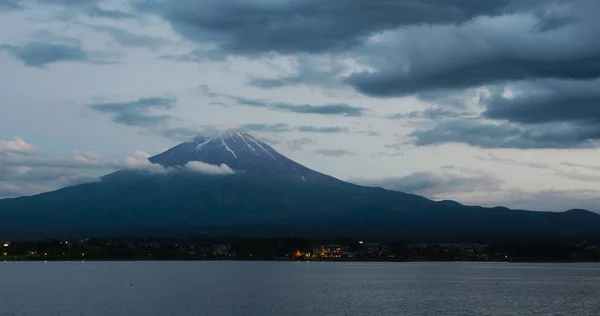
[430, 183]
[539, 114]
[553, 101]
[38, 54]
[549, 23]
[10, 5]
[89, 7]
[312, 26]
[327, 109]
[506, 135]
[484, 52]
[137, 113]
[455, 100]
[334, 152]
[126, 38]
[473, 74]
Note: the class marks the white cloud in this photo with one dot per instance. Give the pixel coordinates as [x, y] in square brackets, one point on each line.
[16, 145]
[202, 167]
[139, 161]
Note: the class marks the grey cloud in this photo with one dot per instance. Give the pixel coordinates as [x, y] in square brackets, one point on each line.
[312, 26]
[8, 173]
[383, 153]
[314, 129]
[137, 113]
[539, 114]
[328, 109]
[258, 127]
[96, 11]
[397, 146]
[431, 114]
[492, 157]
[29, 174]
[198, 56]
[277, 82]
[551, 200]
[586, 177]
[506, 135]
[454, 100]
[299, 143]
[126, 38]
[335, 152]
[549, 101]
[89, 7]
[270, 141]
[387, 83]
[431, 184]
[26, 175]
[37, 54]
[280, 127]
[556, 170]
[179, 133]
[16, 188]
[308, 70]
[79, 160]
[483, 52]
[434, 185]
[11, 5]
[9, 190]
[550, 23]
[578, 165]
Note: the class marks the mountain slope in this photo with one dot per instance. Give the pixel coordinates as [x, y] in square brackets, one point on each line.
[240, 151]
[263, 199]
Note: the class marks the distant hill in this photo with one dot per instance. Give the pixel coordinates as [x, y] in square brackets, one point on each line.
[266, 194]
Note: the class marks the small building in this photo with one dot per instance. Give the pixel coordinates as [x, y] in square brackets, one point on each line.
[328, 251]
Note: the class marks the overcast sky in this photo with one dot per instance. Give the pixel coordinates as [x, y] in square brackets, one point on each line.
[485, 102]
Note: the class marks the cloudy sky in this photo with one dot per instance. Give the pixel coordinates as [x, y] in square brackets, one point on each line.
[486, 102]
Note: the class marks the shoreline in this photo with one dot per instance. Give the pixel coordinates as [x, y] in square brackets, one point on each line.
[297, 261]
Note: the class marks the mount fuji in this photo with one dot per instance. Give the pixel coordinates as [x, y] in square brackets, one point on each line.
[239, 151]
[236, 184]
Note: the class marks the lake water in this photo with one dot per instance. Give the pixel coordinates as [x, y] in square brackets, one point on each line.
[297, 288]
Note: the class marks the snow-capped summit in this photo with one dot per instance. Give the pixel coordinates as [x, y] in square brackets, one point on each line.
[238, 150]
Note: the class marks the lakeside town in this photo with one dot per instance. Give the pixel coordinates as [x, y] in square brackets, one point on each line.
[297, 249]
